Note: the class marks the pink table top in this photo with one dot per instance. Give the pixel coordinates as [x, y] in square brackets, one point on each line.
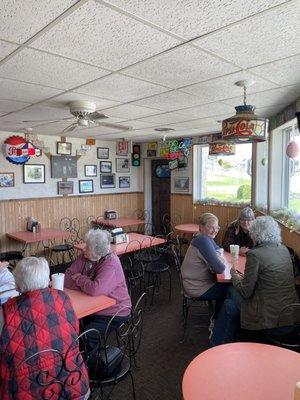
[121, 222]
[43, 234]
[226, 277]
[135, 242]
[84, 304]
[242, 371]
[187, 228]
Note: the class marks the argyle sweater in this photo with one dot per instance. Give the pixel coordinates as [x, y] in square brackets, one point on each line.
[35, 321]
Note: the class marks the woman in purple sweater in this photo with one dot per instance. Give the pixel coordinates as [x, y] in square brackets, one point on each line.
[98, 271]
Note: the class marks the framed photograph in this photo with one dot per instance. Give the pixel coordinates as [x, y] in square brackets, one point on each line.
[106, 167]
[7, 179]
[124, 182]
[107, 181]
[122, 147]
[34, 173]
[122, 165]
[63, 167]
[181, 184]
[103, 152]
[64, 148]
[86, 186]
[65, 188]
[90, 170]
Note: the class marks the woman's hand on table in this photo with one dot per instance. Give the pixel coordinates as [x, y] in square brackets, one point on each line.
[243, 251]
[75, 276]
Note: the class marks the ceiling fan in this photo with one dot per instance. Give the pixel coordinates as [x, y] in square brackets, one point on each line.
[85, 116]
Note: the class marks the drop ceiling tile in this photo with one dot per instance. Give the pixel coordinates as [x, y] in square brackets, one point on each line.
[195, 123]
[121, 88]
[259, 38]
[65, 98]
[6, 48]
[21, 91]
[49, 70]
[225, 88]
[129, 111]
[180, 67]
[269, 111]
[166, 118]
[272, 97]
[11, 105]
[36, 113]
[101, 36]
[282, 72]
[19, 20]
[139, 124]
[194, 17]
[207, 110]
[173, 100]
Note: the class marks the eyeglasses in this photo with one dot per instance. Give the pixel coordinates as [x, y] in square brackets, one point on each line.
[213, 228]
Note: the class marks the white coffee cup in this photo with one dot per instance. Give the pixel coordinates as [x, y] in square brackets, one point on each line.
[220, 252]
[234, 250]
[58, 281]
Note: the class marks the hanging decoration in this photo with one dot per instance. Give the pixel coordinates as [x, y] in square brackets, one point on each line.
[292, 149]
[18, 150]
[177, 151]
[221, 148]
[245, 126]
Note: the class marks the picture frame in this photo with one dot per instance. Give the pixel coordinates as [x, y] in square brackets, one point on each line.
[34, 173]
[181, 184]
[86, 186]
[63, 167]
[90, 170]
[124, 182]
[7, 179]
[103, 153]
[122, 147]
[122, 165]
[107, 181]
[65, 188]
[64, 148]
[106, 167]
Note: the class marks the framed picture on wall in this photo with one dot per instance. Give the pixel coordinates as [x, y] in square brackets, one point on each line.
[106, 167]
[90, 170]
[122, 165]
[107, 181]
[124, 182]
[34, 173]
[64, 148]
[103, 152]
[181, 184]
[65, 188]
[7, 179]
[86, 186]
[63, 167]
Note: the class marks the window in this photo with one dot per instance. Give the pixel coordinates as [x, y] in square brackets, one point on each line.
[224, 178]
[285, 189]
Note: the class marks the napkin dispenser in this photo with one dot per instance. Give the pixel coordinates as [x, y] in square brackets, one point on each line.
[32, 225]
[110, 214]
[118, 236]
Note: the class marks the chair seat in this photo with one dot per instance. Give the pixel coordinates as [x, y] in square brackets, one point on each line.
[62, 247]
[11, 255]
[116, 374]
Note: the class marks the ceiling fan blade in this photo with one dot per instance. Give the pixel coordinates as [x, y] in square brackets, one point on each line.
[115, 126]
[95, 116]
[70, 128]
[49, 120]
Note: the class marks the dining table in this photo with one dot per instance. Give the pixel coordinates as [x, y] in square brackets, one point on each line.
[136, 241]
[187, 228]
[240, 264]
[28, 238]
[84, 304]
[242, 371]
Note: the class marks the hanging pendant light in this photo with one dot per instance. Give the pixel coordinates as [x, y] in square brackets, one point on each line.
[221, 148]
[245, 126]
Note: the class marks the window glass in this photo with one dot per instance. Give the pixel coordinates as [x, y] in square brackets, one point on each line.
[294, 174]
[225, 178]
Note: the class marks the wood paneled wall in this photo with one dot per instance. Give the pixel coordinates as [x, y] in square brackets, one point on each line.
[183, 205]
[49, 211]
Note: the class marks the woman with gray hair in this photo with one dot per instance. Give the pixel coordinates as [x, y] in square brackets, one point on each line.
[267, 286]
[39, 320]
[98, 271]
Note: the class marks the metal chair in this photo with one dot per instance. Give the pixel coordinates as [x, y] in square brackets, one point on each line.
[72, 226]
[134, 273]
[12, 257]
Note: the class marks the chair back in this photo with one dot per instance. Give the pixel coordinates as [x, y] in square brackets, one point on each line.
[72, 226]
[137, 326]
[48, 375]
[134, 271]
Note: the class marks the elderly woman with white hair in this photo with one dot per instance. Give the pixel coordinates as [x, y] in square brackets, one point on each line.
[40, 319]
[267, 286]
[98, 271]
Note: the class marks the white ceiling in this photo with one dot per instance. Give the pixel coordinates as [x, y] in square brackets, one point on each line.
[145, 63]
